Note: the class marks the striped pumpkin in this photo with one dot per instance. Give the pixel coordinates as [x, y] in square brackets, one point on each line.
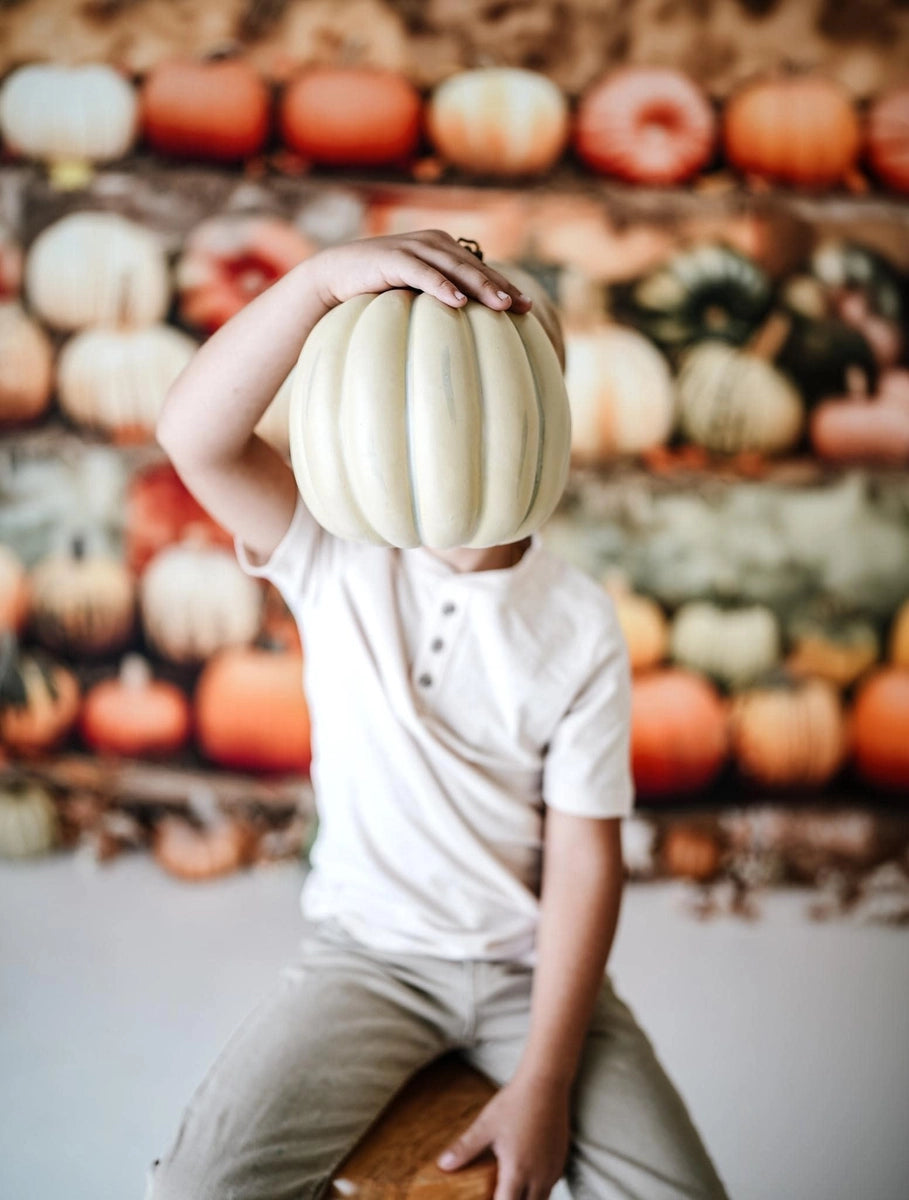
[413, 423]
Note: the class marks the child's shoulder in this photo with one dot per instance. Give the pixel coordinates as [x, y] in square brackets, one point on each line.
[571, 596]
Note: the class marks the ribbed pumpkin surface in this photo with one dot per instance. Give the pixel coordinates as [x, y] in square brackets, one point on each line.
[412, 423]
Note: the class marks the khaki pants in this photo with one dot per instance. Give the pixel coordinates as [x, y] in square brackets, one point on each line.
[311, 1068]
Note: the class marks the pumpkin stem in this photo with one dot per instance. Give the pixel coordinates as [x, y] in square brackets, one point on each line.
[768, 340]
[135, 673]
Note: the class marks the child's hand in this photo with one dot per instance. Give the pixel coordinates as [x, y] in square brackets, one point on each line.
[430, 261]
[526, 1125]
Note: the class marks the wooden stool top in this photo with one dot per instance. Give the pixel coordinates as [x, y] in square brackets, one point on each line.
[396, 1158]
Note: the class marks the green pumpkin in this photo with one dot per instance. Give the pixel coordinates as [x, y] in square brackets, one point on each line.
[850, 266]
[709, 291]
[820, 353]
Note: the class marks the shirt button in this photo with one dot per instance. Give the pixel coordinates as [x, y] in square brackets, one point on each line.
[436, 645]
[447, 608]
[424, 680]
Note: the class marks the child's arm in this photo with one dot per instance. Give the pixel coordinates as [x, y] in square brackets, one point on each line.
[207, 423]
[527, 1122]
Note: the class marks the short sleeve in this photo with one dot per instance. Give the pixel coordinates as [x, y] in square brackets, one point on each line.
[587, 768]
[297, 562]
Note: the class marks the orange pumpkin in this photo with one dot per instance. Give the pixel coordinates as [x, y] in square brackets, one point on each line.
[801, 130]
[227, 261]
[789, 733]
[250, 710]
[135, 714]
[11, 260]
[39, 702]
[196, 854]
[863, 428]
[160, 511]
[679, 736]
[217, 109]
[887, 138]
[26, 366]
[643, 624]
[351, 116]
[690, 853]
[899, 637]
[649, 125]
[14, 591]
[880, 728]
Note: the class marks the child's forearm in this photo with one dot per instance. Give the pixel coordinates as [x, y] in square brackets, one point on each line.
[582, 888]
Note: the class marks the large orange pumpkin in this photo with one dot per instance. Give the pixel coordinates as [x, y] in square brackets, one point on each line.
[250, 710]
[801, 130]
[880, 728]
[160, 511]
[887, 138]
[351, 116]
[679, 736]
[899, 637]
[217, 109]
[135, 714]
[645, 124]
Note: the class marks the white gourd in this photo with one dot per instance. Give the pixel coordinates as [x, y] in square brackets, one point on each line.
[196, 600]
[60, 114]
[97, 269]
[415, 423]
[734, 647]
[116, 380]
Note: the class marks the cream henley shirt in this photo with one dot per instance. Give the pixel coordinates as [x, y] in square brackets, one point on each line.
[449, 709]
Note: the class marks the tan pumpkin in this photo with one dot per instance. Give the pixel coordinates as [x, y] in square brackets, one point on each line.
[14, 591]
[689, 852]
[29, 824]
[643, 622]
[11, 260]
[899, 637]
[498, 121]
[57, 113]
[26, 366]
[789, 733]
[860, 428]
[115, 381]
[445, 445]
[838, 648]
[82, 602]
[620, 390]
[733, 646]
[92, 268]
[195, 600]
[195, 854]
[135, 714]
[39, 702]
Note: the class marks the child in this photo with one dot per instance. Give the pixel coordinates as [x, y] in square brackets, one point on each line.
[471, 763]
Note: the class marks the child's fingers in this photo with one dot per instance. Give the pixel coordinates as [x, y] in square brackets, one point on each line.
[465, 274]
[465, 1148]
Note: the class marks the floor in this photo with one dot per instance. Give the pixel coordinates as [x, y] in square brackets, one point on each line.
[788, 1039]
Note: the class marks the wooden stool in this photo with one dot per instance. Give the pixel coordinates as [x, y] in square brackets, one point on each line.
[396, 1158]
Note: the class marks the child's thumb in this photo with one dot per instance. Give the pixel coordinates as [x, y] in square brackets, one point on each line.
[467, 1147]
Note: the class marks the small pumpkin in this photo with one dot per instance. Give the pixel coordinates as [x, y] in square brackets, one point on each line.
[689, 852]
[196, 599]
[97, 269]
[731, 645]
[820, 353]
[865, 291]
[82, 602]
[620, 391]
[679, 735]
[115, 381]
[135, 714]
[643, 623]
[61, 114]
[789, 732]
[251, 712]
[29, 824]
[195, 854]
[707, 291]
[351, 116]
[860, 428]
[216, 109]
[160, 510]
[880, 728]
[502, 121]
[899, 637]
[26, 366]
[801, 130]
[229, 260]
[39, 701]
[14, 591]
[831, 643]
[445, 446]
[650, 125]
[887, 138]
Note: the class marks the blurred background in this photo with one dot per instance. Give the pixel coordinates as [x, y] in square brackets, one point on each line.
[716, 195]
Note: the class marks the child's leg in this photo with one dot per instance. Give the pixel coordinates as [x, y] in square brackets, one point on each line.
[632, 1137]
[300, 1081]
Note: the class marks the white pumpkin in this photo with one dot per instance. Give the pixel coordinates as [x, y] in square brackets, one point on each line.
[274, 426]
[498, 121]
[733, 646]
[196, 600]
[415, 423]
[82, 603]
[28, 820]
[60, 114]
[620, 390]
[733, 401]
[93, 268]
[116, 380]
[26, 365]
